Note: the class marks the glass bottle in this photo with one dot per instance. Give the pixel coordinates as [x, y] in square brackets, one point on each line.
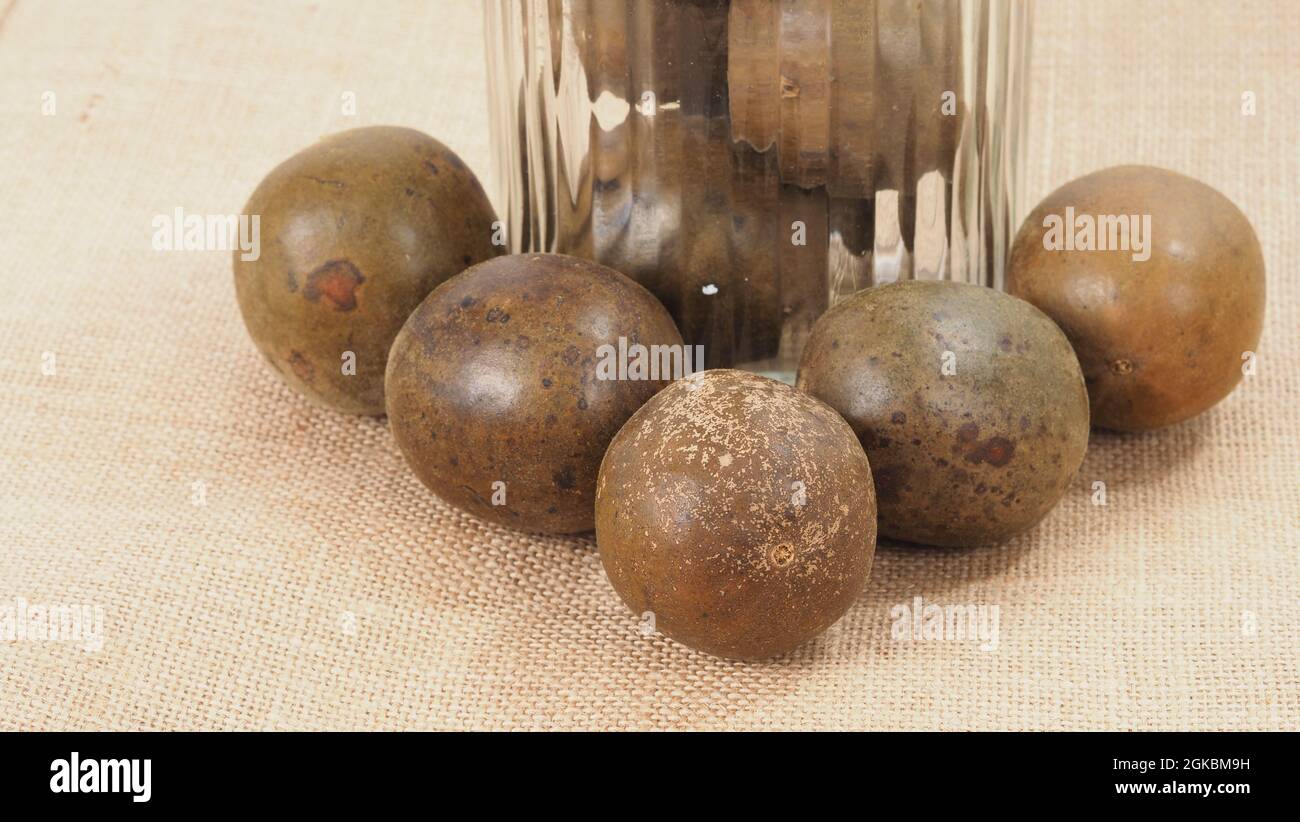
[752, 162]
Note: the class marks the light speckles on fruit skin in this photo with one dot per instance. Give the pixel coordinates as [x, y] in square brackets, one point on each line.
[493, 378]
[355, 232]
[746, 559]
[1159, 340]
[969, 458]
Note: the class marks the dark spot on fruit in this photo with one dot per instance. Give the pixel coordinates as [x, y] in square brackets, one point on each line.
[1122, 367]
[981, 488]
[571, 355]
[916, 442]
[1005, 343]
[898, 418]
[336, 282]
[546, 382]
[467, 302]
[431, 166]
[835, 344]
[410, 192]
[996, 451]
[1024, 423]
[564, 478]
[890, 480]
[497, 315]
[582, 403]
[302, 366]
[969, 432]
[467, 260]
[605, 185]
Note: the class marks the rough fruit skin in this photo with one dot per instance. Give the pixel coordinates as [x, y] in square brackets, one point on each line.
[968, 458]
[738, 511]
[494, 379]
[1159, 340]
[355, 231]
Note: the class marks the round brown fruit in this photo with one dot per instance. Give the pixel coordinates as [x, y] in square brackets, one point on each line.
[1161, 339]
[739, 512]
[969, 403]
[356, 231]
[499, 388]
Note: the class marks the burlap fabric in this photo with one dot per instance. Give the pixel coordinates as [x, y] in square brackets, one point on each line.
[319, 586]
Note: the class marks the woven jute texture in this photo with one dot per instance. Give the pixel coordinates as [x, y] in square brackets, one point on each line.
[260, 564]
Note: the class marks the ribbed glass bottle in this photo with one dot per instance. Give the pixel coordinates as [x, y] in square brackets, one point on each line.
[751, 162]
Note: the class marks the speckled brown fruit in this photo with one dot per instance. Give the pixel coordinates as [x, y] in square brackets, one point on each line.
[1162, 339]
[355, 232]
[497, 378]
[738, 511]
[964, 458]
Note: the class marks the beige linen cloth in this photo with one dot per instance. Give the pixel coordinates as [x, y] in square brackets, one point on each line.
[260, 564]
